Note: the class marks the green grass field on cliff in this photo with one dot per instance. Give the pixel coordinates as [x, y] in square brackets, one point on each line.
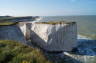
[6, 21]
[13, 52]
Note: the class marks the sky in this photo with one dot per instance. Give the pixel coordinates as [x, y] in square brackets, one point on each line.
[47, 7]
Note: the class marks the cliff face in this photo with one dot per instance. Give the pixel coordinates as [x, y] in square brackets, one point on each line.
[11, 32]
[58, 37]
[54, 36]
[25, 27]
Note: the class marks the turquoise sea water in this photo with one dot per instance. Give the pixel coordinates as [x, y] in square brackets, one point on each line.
[86, 24]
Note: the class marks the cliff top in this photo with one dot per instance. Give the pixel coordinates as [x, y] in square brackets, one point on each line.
[7, 23]
[18, 19]
[14, 20]
[55, 22]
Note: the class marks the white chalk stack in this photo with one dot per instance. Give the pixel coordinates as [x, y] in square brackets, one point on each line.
[54, 36]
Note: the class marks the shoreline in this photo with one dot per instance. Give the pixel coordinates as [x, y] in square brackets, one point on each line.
[80, 36]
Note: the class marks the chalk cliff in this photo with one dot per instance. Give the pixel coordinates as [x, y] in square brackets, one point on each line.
[59, 36]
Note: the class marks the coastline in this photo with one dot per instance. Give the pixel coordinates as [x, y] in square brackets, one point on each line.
[79, 36]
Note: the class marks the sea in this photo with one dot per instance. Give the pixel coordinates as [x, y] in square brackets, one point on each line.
[86, 24]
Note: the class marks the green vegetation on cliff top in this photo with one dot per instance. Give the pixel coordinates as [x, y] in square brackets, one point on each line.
[56, 22]
[7, 23]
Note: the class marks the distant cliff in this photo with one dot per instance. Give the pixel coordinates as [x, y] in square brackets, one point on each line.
[11, 32]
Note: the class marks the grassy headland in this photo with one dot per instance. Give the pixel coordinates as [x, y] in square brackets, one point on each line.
[7, 23]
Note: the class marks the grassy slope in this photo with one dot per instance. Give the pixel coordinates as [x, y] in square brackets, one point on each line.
[12, 52]
[7, 23]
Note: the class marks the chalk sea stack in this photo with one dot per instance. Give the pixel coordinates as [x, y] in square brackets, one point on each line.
[55, 36]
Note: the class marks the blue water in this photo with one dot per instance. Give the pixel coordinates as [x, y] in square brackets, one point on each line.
[86, 24]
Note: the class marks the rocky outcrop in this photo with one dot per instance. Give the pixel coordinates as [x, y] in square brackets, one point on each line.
[54, 37]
